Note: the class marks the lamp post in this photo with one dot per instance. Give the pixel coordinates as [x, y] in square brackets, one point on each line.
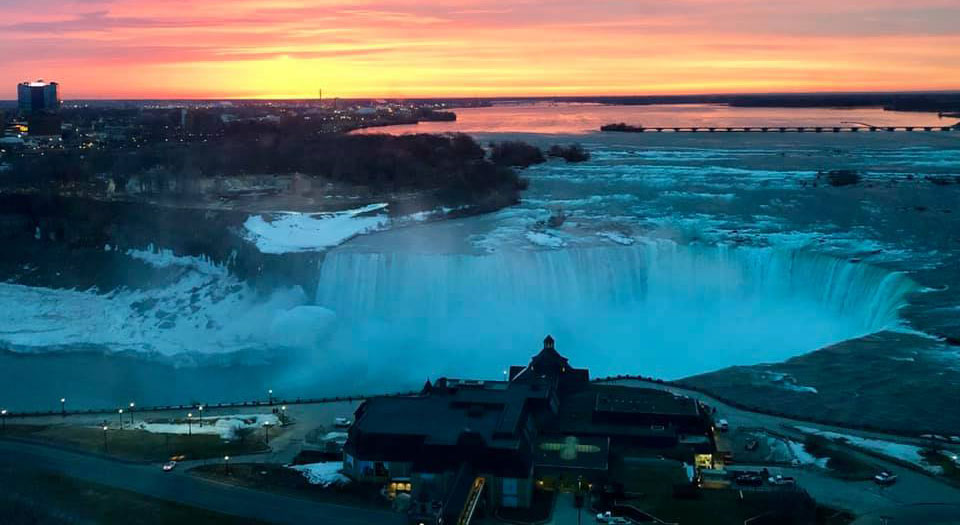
[283, 415]
[120, 417]
[266, 433]
[226, 464]
[200, 408]
[63, 406]
[504, 375]
[104, 437]
[132, 404]
[270, 397]
[3, 416]
[189, 424]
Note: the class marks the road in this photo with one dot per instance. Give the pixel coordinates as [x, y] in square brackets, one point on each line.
[183, 488]
[912, 487]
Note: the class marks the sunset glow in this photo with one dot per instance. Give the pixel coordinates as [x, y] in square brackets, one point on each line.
[409, 48]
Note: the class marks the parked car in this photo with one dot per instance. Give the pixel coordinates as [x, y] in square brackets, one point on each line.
[723, 425]
[885, 478]
[342, 422]
[782, 480]
[608, 518]
[749, 478]
[170, 465]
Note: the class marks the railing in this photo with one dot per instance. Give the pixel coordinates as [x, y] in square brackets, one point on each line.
[473, 499]
[234, 404]
[783, 129]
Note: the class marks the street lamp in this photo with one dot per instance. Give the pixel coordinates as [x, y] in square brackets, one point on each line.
[226, 464]
[63, 406]
[3, 416]
[266, 433]
[120, 416]
[104, 438]
[283, 415]
[132, 404]
[270, 397]
[189, 424]
[200, 408]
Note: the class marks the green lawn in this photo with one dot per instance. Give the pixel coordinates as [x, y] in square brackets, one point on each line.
[39, 497]
[140, 445]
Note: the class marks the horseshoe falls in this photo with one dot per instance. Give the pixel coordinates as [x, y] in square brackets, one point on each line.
[658, 308]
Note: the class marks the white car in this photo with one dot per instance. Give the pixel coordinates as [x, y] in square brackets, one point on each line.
[885, 478]
[610, 519]
[342, 422]
[170, 465]
[782, 480]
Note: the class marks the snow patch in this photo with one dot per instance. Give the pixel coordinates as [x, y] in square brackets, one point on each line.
[288, 232]
[786, 382]
[323, 474]
[165, 258]
[617, 237]
[206, 310]
[224, 426]
[805, 458]
[545, 239]
[901, 451]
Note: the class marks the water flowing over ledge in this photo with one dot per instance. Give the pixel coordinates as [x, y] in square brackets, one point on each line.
[660, 308]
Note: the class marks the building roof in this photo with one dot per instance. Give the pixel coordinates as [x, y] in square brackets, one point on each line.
[549, 365]
[490, 411]
[622, 399]
[578, 410]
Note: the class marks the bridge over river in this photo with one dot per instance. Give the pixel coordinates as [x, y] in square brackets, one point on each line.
[779, 129]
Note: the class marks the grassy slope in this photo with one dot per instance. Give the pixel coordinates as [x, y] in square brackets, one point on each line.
[40, 497]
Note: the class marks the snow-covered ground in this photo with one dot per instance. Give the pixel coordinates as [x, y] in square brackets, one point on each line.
[323, 474]
[900, 451]
[204, 310]
[286, 232]
[784, 381]
[805, 458]
[546, 240]
[224, 426]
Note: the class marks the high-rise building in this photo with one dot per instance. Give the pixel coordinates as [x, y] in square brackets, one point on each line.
[38, 97]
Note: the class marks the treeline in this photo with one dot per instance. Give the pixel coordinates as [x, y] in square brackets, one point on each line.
[455, 165]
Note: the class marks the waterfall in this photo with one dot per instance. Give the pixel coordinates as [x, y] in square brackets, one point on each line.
[658, 308]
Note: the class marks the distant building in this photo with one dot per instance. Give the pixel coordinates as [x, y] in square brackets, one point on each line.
[463, 443]
[39, 102]
[38, 97]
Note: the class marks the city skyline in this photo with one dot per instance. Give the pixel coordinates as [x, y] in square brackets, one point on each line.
[214, 49]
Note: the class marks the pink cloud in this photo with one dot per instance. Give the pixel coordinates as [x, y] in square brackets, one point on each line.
[417, 47]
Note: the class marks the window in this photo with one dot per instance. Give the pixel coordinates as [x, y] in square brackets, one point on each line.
[510, 489]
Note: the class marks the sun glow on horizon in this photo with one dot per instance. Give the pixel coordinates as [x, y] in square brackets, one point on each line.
[402, 48]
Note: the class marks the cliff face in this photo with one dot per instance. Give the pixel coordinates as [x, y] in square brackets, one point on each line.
[79, 242]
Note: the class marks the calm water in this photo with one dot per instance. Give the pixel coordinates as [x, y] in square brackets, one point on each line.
[553, 118]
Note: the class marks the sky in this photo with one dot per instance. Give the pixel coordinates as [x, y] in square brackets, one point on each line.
[415, 48]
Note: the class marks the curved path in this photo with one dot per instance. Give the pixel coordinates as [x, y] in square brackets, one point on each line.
[912, 488]
[189, 490]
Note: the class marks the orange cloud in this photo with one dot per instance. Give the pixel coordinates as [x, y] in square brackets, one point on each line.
[245, 48]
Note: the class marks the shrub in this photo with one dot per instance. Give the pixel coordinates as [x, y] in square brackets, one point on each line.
[838, 178]
[571, 153]
[515, 154]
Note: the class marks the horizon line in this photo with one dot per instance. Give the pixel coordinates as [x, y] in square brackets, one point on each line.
[955, 91]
